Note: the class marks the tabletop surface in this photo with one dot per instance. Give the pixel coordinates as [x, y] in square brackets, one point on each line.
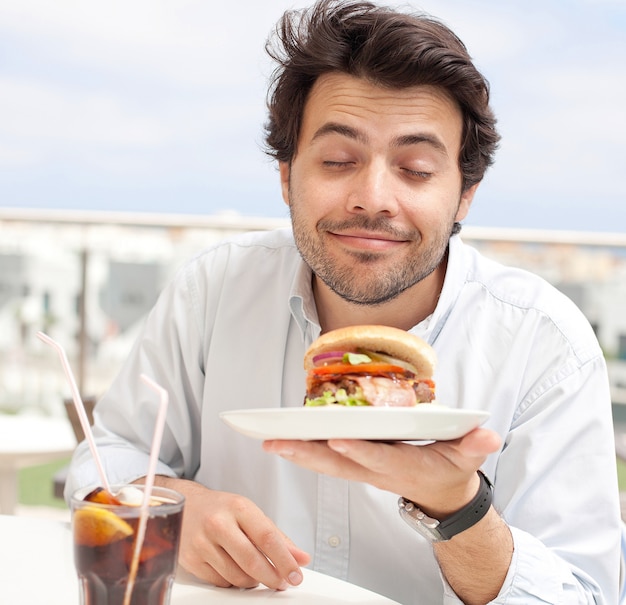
[26, 434]
[37, 567]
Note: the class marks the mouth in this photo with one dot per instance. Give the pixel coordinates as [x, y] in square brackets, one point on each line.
[370, 241]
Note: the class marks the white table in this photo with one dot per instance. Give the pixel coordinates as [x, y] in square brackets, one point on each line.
[36, 566]
[26, 440]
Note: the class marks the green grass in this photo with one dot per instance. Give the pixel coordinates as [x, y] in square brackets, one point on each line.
[36, 485]
[621, 474]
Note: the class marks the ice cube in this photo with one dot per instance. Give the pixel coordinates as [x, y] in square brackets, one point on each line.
[131, 496]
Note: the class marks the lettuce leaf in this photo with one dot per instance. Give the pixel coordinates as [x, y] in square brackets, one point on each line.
[340, 397]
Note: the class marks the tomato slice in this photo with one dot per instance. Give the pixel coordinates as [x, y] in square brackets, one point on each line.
[361, 368]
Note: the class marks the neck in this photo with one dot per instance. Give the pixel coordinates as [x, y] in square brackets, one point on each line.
[405, 311]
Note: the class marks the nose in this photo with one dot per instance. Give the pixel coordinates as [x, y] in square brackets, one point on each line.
[373, 191]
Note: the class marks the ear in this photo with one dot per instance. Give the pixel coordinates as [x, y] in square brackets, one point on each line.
[285, 172]
[467, 197]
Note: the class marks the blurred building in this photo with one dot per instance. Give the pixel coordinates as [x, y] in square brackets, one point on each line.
[88, 279]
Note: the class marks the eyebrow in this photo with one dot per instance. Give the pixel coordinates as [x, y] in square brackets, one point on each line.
[405, 140]
[340, 129]
[416, 139]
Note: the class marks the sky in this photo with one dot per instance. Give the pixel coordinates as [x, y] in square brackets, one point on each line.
[159, 105]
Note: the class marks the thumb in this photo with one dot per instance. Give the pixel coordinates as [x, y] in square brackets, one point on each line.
[479, 443]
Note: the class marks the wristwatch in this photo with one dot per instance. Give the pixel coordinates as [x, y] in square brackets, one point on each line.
[440, 531]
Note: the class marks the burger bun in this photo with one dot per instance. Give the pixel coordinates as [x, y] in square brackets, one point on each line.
[390, 341]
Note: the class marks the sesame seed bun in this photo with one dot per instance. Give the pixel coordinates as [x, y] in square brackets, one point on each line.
[381, 339]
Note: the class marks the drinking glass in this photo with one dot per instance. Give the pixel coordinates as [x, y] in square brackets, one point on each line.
[104, 543]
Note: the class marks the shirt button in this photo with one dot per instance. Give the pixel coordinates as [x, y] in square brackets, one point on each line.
[334, 541]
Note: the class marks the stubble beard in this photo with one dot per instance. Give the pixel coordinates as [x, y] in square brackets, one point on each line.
[362, 281]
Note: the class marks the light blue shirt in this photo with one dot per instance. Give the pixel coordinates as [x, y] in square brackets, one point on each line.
[230, 332]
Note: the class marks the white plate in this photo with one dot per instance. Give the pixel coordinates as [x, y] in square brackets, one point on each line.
[424, 422]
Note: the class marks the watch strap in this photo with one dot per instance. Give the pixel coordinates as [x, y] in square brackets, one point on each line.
[456, 523]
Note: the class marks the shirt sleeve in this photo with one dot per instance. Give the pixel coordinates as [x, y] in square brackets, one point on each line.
[535, 576]
[169, 351]
[557, 490]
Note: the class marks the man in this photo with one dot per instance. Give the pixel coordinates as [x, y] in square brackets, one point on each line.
[382, 130]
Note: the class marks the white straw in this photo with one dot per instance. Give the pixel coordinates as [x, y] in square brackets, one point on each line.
[149, 483]
[157, 437]
[80, 407]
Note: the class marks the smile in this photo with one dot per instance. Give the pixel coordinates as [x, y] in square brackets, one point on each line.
[367, 241]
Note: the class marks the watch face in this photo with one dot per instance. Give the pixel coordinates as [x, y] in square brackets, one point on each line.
[420, 522]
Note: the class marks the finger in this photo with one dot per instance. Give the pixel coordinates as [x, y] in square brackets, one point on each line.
[224, 553]
[245, 565]
[314, 455]
[372, 455]
[203, 570]
[242, 565]
[445, 467]
[251, 548]
[467, 453]
[377, 456]
[301, 557]
[386, 465]
[290, 449]
[281, 557]
[318, 457]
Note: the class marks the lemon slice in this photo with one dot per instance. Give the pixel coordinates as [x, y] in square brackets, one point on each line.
[95, 526]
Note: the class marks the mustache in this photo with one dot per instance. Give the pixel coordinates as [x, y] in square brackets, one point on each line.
[364, 223]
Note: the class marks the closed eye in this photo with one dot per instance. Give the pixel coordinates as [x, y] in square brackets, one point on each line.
[418, 173]
[332, 164]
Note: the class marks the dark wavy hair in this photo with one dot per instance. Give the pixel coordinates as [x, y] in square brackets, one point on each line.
[388, 48]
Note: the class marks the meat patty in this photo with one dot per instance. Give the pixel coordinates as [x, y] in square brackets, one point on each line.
[378, 390]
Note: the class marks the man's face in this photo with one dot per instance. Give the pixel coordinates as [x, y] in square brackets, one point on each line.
[374, 188]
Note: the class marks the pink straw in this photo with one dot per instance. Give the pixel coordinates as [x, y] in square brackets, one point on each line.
[149, 484]
[156, 439]
[80, 407]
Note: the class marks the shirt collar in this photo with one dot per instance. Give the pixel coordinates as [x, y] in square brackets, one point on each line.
[302, 303]
[430, 328]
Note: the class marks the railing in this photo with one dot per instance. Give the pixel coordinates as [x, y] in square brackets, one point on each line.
[78, 275]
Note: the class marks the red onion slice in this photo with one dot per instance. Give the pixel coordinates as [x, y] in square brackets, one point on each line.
[329, 356]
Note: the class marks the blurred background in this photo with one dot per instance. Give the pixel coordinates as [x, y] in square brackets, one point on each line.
[131, 137]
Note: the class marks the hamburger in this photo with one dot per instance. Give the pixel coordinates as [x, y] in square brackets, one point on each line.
[369, 366]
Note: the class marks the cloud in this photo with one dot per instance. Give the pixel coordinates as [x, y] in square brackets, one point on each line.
[53, 114]
[191, 43]
[169, 95]
[559, 100]
[14, 156]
